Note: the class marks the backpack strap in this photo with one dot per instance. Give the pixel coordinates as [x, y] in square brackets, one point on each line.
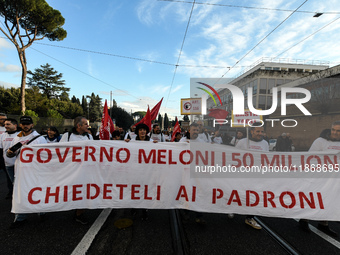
[33, 139]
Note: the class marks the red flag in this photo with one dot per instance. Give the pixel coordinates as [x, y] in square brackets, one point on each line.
[146, 119]
[153, 114]
[107, 126]
[177, 129]
[155, 110]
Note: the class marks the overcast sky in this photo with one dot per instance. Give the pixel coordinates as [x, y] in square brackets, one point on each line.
[141, 42]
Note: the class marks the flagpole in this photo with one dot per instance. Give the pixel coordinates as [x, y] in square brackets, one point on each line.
[111, 104]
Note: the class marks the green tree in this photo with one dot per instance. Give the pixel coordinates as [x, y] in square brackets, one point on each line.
[95, 108]
[122, 117]
[74, 99]
[84, 104]
[9, 100]
[68, 110]
[49, 81]
[166, 121]
[139, 114]
[159, 121]
[36, 101]
[27, 21]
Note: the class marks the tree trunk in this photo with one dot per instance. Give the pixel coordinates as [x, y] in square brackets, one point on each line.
[22, 57]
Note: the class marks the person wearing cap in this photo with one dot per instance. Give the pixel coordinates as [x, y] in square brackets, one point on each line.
[283, 143]
[79, 132]
[27, 135]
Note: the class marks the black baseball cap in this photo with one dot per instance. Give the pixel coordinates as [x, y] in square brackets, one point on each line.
[26, 120]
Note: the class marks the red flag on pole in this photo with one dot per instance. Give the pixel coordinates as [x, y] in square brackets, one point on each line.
[153, 113]
[155, 110]
[177, 129]
[107, 126]
[146, 119]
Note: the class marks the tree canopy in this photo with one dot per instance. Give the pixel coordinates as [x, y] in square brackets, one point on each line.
[27, 21]
[49, 82]
[122, 117]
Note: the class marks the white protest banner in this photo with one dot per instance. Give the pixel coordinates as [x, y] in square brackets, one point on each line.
[195, 176]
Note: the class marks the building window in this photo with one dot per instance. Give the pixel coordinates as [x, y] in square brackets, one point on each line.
[262, 102]
[269, 102]
[271, 84]
[255, 90]
[263, 88]
[254, 102]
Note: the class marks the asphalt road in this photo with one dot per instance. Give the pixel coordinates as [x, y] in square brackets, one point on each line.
[60, 234]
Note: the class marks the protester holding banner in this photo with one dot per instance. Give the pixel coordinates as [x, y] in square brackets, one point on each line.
[202, 134]
[329, 140]
[131, 133]
[11, 126]
[142, 131]
[27, 136]
[193, 137]
[167, 136]
[79, 132]
[178, 137]
[193, 134]
[116, 135]
[121, 133]
[254, 142]
[53, 135]
[3, 118]
[156, 133]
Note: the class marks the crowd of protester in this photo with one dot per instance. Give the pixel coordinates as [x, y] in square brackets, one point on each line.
[13, 135]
